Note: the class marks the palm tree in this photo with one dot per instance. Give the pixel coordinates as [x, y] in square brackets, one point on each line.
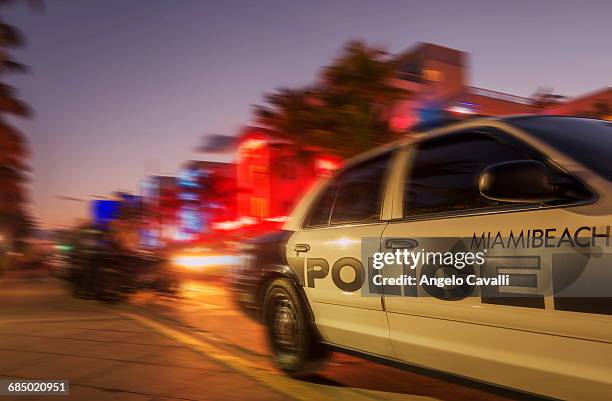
[345, 112]
[14, 154]
[290, 113]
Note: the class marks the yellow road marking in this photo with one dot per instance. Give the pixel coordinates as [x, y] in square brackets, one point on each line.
[295, 389]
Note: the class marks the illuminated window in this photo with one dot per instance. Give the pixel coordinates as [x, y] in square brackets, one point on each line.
[254, 170]
[259, 207]
[433, 75]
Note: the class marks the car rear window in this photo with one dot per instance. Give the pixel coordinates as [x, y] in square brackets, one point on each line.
[589, 141]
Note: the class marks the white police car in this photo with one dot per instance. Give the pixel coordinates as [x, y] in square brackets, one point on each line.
[533, 192]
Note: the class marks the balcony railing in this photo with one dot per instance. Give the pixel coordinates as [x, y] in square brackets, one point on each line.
[500, 95]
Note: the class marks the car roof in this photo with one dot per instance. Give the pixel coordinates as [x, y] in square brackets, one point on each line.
[416, 136]
[449, 127]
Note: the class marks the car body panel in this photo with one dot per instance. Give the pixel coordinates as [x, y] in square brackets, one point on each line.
[543, 346]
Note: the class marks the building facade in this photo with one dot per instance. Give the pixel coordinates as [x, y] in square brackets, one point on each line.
[436, 78]
[597, 104]
[272, 173]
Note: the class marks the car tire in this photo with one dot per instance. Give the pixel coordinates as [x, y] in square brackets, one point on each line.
[291, 336]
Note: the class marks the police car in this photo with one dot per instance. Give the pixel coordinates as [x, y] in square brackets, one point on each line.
[532, 192]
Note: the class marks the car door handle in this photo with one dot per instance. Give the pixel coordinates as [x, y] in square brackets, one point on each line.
[302, 248]
[401, 243]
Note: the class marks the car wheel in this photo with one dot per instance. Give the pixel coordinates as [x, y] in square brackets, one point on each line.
[292, 339]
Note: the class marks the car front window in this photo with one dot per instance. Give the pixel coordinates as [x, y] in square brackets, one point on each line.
[354, 196]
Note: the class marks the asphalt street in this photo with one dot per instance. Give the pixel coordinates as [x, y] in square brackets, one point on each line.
[205, 306]
[194, 346]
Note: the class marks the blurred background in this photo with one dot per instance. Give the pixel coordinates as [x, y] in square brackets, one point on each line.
[162, 133]
[201, 124]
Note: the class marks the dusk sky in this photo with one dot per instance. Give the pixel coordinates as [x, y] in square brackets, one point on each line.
[121, 88]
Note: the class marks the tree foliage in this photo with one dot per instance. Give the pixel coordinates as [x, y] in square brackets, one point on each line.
[14, 154]
[345, 112]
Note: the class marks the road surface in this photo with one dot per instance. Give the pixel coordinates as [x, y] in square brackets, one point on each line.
[205, 307]
[195, 346]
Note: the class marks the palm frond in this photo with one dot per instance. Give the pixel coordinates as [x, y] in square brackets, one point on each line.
[10, 36]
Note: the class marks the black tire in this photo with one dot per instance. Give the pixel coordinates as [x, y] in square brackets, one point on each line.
[291, 337]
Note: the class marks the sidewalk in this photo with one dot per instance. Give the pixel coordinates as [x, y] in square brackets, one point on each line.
[46, 334]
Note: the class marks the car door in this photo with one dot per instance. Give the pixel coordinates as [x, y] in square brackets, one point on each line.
[344, 219]
[486, 332]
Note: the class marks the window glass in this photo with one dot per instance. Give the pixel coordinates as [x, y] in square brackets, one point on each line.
[321, 209]
[355, 195]
[361, 190]
[446, 171]
[588, 141]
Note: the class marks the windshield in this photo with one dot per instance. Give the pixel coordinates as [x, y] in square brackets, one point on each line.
[586, 140]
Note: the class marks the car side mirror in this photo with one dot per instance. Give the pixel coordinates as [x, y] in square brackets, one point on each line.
[525, 181]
